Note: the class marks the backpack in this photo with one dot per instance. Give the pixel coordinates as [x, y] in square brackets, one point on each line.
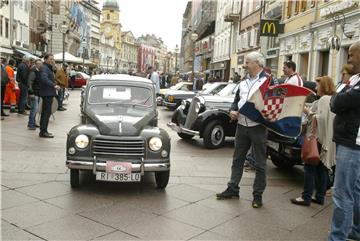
[4, 76]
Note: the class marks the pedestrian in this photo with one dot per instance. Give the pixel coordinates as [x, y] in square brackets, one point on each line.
[72, 78]
[47, 92]
[316, 177]
[34, 93]
[248, 133]
[22, 77]
[62, 81]
[346, 72]
[237, 77]
[4, 82]
[289, 69]
[154, 77]
[346, 196]
[10, 90]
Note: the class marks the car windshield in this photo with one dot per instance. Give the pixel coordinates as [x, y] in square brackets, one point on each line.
[177, 86]
[212, 88]
[121, 95]
[228, 90]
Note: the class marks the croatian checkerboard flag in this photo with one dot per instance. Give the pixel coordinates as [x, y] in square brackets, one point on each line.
[277, 107]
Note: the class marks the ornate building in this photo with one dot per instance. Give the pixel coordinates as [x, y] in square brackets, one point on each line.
[110, 40]
[128, 57]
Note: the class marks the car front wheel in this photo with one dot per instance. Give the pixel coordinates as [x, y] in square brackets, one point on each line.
[214, 135]
[281, 163]
[162, 179]
[74, 178]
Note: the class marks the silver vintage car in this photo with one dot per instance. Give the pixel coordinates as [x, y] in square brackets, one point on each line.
[118, 139]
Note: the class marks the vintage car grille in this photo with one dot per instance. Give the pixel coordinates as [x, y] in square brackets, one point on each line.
[119, 147]
[192, 115]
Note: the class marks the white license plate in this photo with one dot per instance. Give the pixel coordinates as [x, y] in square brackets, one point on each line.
[118, 177]
[273, 145]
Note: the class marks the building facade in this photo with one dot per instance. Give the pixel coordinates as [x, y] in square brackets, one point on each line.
[5, 31]
[222, 35]
[128, 57]
[186, 47]
[308, 27]
[110, 40]
[146, 57]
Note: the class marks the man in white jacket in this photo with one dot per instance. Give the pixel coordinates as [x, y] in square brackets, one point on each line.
[248, 133]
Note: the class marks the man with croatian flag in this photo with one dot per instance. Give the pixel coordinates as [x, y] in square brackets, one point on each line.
[257, 107]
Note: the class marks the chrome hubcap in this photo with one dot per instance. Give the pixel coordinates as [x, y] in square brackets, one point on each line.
[217, 135]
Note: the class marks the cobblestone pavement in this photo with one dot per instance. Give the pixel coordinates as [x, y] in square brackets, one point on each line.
[39, 204]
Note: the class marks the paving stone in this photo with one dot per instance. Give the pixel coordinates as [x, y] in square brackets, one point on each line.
[80, 201]
[32, 214]
[160, 228]
[118, 216]
[12, 198]
[117, 235]
[199, 216]
[11, 232]
[70, 228]
[46, 190]
[208, 235]
[188, 193]
[231, 206]
[245, 229]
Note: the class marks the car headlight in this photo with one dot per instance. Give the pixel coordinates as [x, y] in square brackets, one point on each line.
[170, 98]
[155, 143]
[197, 107]
[183, 104]
[82, 141]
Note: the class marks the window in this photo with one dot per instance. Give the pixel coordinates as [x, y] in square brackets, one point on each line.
[297, 6]
[313, 2]
[6, 28]
[288, 8]
[1, 26]
[303, 5]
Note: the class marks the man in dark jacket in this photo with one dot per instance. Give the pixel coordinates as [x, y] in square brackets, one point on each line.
[34, 92]
[4, 81]
[346, 196]
[22, 77]
[47, 92]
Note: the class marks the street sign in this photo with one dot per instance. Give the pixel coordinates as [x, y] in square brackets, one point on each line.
[270, 28]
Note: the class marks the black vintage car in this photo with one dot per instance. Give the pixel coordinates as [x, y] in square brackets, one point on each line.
[118, 139]
[173, 98]
[206, 116]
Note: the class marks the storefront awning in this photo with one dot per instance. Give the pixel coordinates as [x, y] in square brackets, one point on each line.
[4, 50]
[27, 54]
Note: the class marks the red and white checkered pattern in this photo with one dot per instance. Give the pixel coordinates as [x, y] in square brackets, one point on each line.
[272, 108]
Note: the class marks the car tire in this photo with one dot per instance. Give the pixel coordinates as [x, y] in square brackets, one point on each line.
[281, 163]
[74, 178]
[214, 135]
[185, 136]
[162, 179]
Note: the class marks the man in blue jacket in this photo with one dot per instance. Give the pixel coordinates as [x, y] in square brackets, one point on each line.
[22, 76]
[47, 92]
[346, 197]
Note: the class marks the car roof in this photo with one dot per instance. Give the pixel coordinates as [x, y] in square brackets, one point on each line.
[117, 77]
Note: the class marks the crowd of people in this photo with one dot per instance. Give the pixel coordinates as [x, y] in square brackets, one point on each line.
[337, 114]
[39, 83]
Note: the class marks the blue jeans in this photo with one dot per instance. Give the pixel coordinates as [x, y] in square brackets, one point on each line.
[23, 97]
[60, 97]
[346, 196]
[34, 109]
[315, 177]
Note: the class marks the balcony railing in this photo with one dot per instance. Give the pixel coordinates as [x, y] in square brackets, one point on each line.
[232, 14]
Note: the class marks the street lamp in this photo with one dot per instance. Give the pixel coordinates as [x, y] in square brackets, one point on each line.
[107, 63]
[83, 44]
[64, 29]
[193, 38]
[176, 58]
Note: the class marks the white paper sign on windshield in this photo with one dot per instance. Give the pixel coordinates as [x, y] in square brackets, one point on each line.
[114, 94]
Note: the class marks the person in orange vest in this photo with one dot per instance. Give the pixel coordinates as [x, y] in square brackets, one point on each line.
[10, 96]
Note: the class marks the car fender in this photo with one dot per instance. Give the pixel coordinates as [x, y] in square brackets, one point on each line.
[215, 114]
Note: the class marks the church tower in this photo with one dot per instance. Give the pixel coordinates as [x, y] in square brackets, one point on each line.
[110, 24]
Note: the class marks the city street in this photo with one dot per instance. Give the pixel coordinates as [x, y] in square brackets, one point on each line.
[37, 202]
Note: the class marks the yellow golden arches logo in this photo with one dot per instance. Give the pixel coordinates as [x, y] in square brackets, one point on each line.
[269, 26]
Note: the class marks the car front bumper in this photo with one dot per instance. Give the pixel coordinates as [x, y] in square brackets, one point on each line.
[101, 166]
[180, 129]
[169, 104]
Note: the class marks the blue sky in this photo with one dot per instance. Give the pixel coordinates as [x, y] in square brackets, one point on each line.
[160, 17]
